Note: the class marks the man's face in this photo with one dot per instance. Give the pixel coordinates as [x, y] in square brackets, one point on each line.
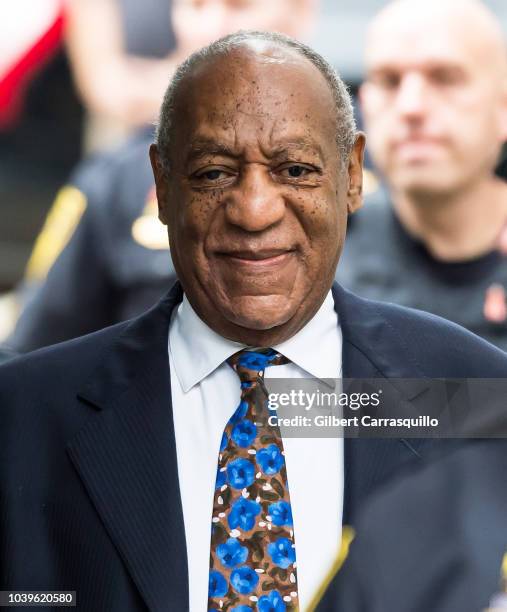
[433, 106]
[257, 200]
[199, 22]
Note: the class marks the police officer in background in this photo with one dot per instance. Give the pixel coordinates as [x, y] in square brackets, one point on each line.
[115, 264]
[108, 247]
[435, 113]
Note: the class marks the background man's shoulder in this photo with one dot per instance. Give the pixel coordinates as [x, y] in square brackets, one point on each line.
[54, 372]
[446, 349]
[440, 347]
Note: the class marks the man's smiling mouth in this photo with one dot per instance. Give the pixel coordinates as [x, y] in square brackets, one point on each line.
[257, 258]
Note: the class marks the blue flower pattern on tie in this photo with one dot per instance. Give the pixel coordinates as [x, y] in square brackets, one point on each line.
[281, 513]
[271, 603]
[282, 552]
[244, 580]
[240, 473]
[221, 478]
[270, 459]
[244, 433]
[223, 443]
[252, 544]
[239, 414]
[243, 513]
[232, 553]
[256, 361]
[217, 584]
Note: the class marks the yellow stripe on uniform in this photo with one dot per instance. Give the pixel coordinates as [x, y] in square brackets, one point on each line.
[370, 182]
[347, 537]
[496, 603]
[60, 224]
[147, 230]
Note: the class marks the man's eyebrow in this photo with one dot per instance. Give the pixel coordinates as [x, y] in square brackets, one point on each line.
[200, 148]
[425, 66]
[297, 143]
[203, 147]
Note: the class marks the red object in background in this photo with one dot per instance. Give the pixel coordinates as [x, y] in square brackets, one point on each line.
[14, 81]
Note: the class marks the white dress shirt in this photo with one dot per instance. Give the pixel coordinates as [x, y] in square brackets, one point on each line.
[205, 394]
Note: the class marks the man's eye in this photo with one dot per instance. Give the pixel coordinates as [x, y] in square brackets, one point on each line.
[296, 171]
[385, 80]
[211, 175]
[446, 76]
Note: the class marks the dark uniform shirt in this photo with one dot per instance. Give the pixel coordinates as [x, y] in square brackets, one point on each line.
[5, 354]
[382, 262]
[116, 263]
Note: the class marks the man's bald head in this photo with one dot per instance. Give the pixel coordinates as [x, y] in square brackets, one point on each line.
[469, 21]
[435, 95]
[256, 46]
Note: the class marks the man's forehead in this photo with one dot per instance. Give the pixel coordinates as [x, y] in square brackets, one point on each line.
[256, 69]
[408, 31]
[270, 102]
[270, 127]
[407, 50]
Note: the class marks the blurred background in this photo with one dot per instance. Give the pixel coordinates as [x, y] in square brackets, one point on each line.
[78, 77]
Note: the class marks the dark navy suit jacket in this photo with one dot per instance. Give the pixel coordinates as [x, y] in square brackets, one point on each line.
[89, 492]
[442, 539]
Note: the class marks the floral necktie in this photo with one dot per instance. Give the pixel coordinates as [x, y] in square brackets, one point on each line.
[253, 555]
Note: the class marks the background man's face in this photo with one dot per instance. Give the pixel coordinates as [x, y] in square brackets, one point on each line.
[199, 22]
[256, 200]
[432, 105]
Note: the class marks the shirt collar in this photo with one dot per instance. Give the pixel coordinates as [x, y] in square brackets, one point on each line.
[317, 347]
[197, 350]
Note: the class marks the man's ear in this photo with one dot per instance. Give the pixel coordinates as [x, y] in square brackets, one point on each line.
[161, 183]
[355, 174]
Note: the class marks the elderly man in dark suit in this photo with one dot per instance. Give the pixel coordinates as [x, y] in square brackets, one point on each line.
[136, 466]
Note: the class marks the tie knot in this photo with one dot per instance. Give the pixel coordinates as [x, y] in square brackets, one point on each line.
[248, 365]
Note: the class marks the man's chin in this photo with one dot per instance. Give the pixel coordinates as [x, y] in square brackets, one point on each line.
[424, 182]
[259, 313]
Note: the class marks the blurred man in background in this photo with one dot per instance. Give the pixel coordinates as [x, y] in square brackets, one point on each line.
[113, 263]
[123, 51]
[435, 111]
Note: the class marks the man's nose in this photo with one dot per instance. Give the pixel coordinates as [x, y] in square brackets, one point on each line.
[412, 97]
[256, 203]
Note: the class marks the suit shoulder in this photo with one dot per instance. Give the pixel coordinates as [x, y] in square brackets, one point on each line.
[456, 476]
[441, 347]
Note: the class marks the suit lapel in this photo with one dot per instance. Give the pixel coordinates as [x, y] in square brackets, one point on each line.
[371, 349]
[126, 458]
